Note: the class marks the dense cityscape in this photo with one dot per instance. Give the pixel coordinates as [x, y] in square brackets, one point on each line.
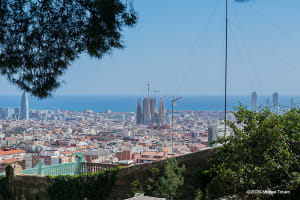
[55, 136]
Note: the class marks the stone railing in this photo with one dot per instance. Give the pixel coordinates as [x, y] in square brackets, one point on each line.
[72, 168]
[95, 167]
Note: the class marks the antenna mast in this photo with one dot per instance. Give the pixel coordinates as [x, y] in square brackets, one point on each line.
[148, 88]
[226, 63]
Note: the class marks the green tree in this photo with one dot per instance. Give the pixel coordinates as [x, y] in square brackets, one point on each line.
[161, 183]
[263, 154]
[171, 180]
[149, 185]
[199, 194]
[39, 39]
[136, 187]
[151, 182]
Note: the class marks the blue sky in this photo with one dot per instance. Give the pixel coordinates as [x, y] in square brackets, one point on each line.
[179, 47]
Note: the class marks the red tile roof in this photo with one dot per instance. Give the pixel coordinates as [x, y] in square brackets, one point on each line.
[10, 160]
[153, 153]
[16, 151]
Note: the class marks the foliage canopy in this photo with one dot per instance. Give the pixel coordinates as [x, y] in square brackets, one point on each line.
[263, 154]
[39, 39]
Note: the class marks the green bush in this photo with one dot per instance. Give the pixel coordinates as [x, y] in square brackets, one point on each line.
[4, 189]
[96, 186]
[263, 154]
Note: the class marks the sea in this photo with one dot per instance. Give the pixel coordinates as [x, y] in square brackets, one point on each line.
[127, 103]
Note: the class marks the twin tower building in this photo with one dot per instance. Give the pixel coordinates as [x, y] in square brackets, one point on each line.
[149, 115]
[254, 101]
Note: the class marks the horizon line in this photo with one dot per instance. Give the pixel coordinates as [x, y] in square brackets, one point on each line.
[150, 95]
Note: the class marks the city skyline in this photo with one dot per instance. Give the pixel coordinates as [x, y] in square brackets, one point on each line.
[20, 112]
[127, 103]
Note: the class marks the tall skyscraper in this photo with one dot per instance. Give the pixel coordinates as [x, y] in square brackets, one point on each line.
[212, 134]
[276, 101]
[254, 101]
[146, 111]
[139, 114]
[161, 111]
[24, 114]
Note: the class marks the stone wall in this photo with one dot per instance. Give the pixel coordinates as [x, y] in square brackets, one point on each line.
[34, 187]
[127, 175]
[30, 187]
